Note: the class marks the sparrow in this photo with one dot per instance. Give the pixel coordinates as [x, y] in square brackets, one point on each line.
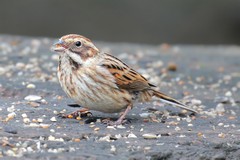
[101, 82]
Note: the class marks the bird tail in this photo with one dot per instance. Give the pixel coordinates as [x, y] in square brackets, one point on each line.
[164, 98]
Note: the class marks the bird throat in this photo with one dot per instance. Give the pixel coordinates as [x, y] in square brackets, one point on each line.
[75, 65]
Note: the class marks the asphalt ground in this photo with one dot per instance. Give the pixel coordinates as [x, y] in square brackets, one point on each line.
[206, 78]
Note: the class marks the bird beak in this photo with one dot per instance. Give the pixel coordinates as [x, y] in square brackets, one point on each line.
[59, 46]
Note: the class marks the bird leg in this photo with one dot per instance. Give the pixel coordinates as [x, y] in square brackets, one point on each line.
[121, 118]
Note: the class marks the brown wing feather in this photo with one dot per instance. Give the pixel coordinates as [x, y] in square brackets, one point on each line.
[126, 78]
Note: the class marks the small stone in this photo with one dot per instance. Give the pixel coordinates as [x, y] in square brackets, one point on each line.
[33, 125]
[76, 140]
[51, 138]
[45, 126]
[196, 102]
[113, 148]
[105, 138]
[11, 109]
[172, 66]
[31, 86]
[34, 104]
[55, 112]
[220, 124]
[26, 120]
[220, 108]
[33, 98]
[131, 135]
[177, 128]
[20, 65]
[149, 136]
[182, 136]
[96, 129]
[121, 127]
[40, 120]
[190, 125]
[145, 115]
[34, 120]
[53, 119]
[11, 115]
[52, 130]
[111, 127]
[24, 115]
[188, 119]
[228, 94]
[221, 135]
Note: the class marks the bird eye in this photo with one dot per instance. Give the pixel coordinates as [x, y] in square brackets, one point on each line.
[78, 43]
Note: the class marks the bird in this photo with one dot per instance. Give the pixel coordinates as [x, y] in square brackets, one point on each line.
[100, 81]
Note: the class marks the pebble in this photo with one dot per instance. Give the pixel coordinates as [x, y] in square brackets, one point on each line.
[31, 86]
[53, 119]
[34, 104]
[220, 124]
[177, 128]
[33, 125]
[145, 115]
[196, 102]
[45, 126]
[26, 120]
[33, 98]
[121, 127]
[20, 65]
[188, 119]
[11, 109]
[105, 138]
[113, 148]
[40, 120]
[11, 115]
[149, 136]
[190, 125]
[182, 136]
[51, 138]
[111, 127]
[55, 112]
[24, 115]
[96, 129]
[221, 135]
[76, 140]
[220, 108]
[131, 135]
[172, 66]
[228, 94]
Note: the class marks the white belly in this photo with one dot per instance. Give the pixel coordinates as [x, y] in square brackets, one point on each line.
[102, 95]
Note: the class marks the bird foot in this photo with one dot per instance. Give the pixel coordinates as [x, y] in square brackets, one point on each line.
[77, 114]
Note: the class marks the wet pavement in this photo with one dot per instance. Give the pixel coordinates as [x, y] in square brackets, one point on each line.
[206, 78]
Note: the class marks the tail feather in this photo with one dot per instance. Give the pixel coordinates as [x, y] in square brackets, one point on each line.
[163, 97]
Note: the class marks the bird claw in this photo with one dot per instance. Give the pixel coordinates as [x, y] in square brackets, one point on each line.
[110, 122]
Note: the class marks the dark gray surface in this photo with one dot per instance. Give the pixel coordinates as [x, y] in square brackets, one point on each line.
[207, 73]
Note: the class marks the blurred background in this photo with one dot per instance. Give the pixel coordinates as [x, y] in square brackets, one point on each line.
[137, 21]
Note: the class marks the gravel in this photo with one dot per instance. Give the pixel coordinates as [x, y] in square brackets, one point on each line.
[206, 78]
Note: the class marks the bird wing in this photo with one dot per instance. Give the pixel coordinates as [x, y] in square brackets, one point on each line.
[125, 77]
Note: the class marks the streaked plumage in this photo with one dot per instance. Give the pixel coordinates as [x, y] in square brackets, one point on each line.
[100, 81]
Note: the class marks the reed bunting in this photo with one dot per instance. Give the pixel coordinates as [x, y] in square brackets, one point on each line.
[99, 81]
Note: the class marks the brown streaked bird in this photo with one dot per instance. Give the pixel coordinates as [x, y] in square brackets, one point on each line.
[99, 81]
